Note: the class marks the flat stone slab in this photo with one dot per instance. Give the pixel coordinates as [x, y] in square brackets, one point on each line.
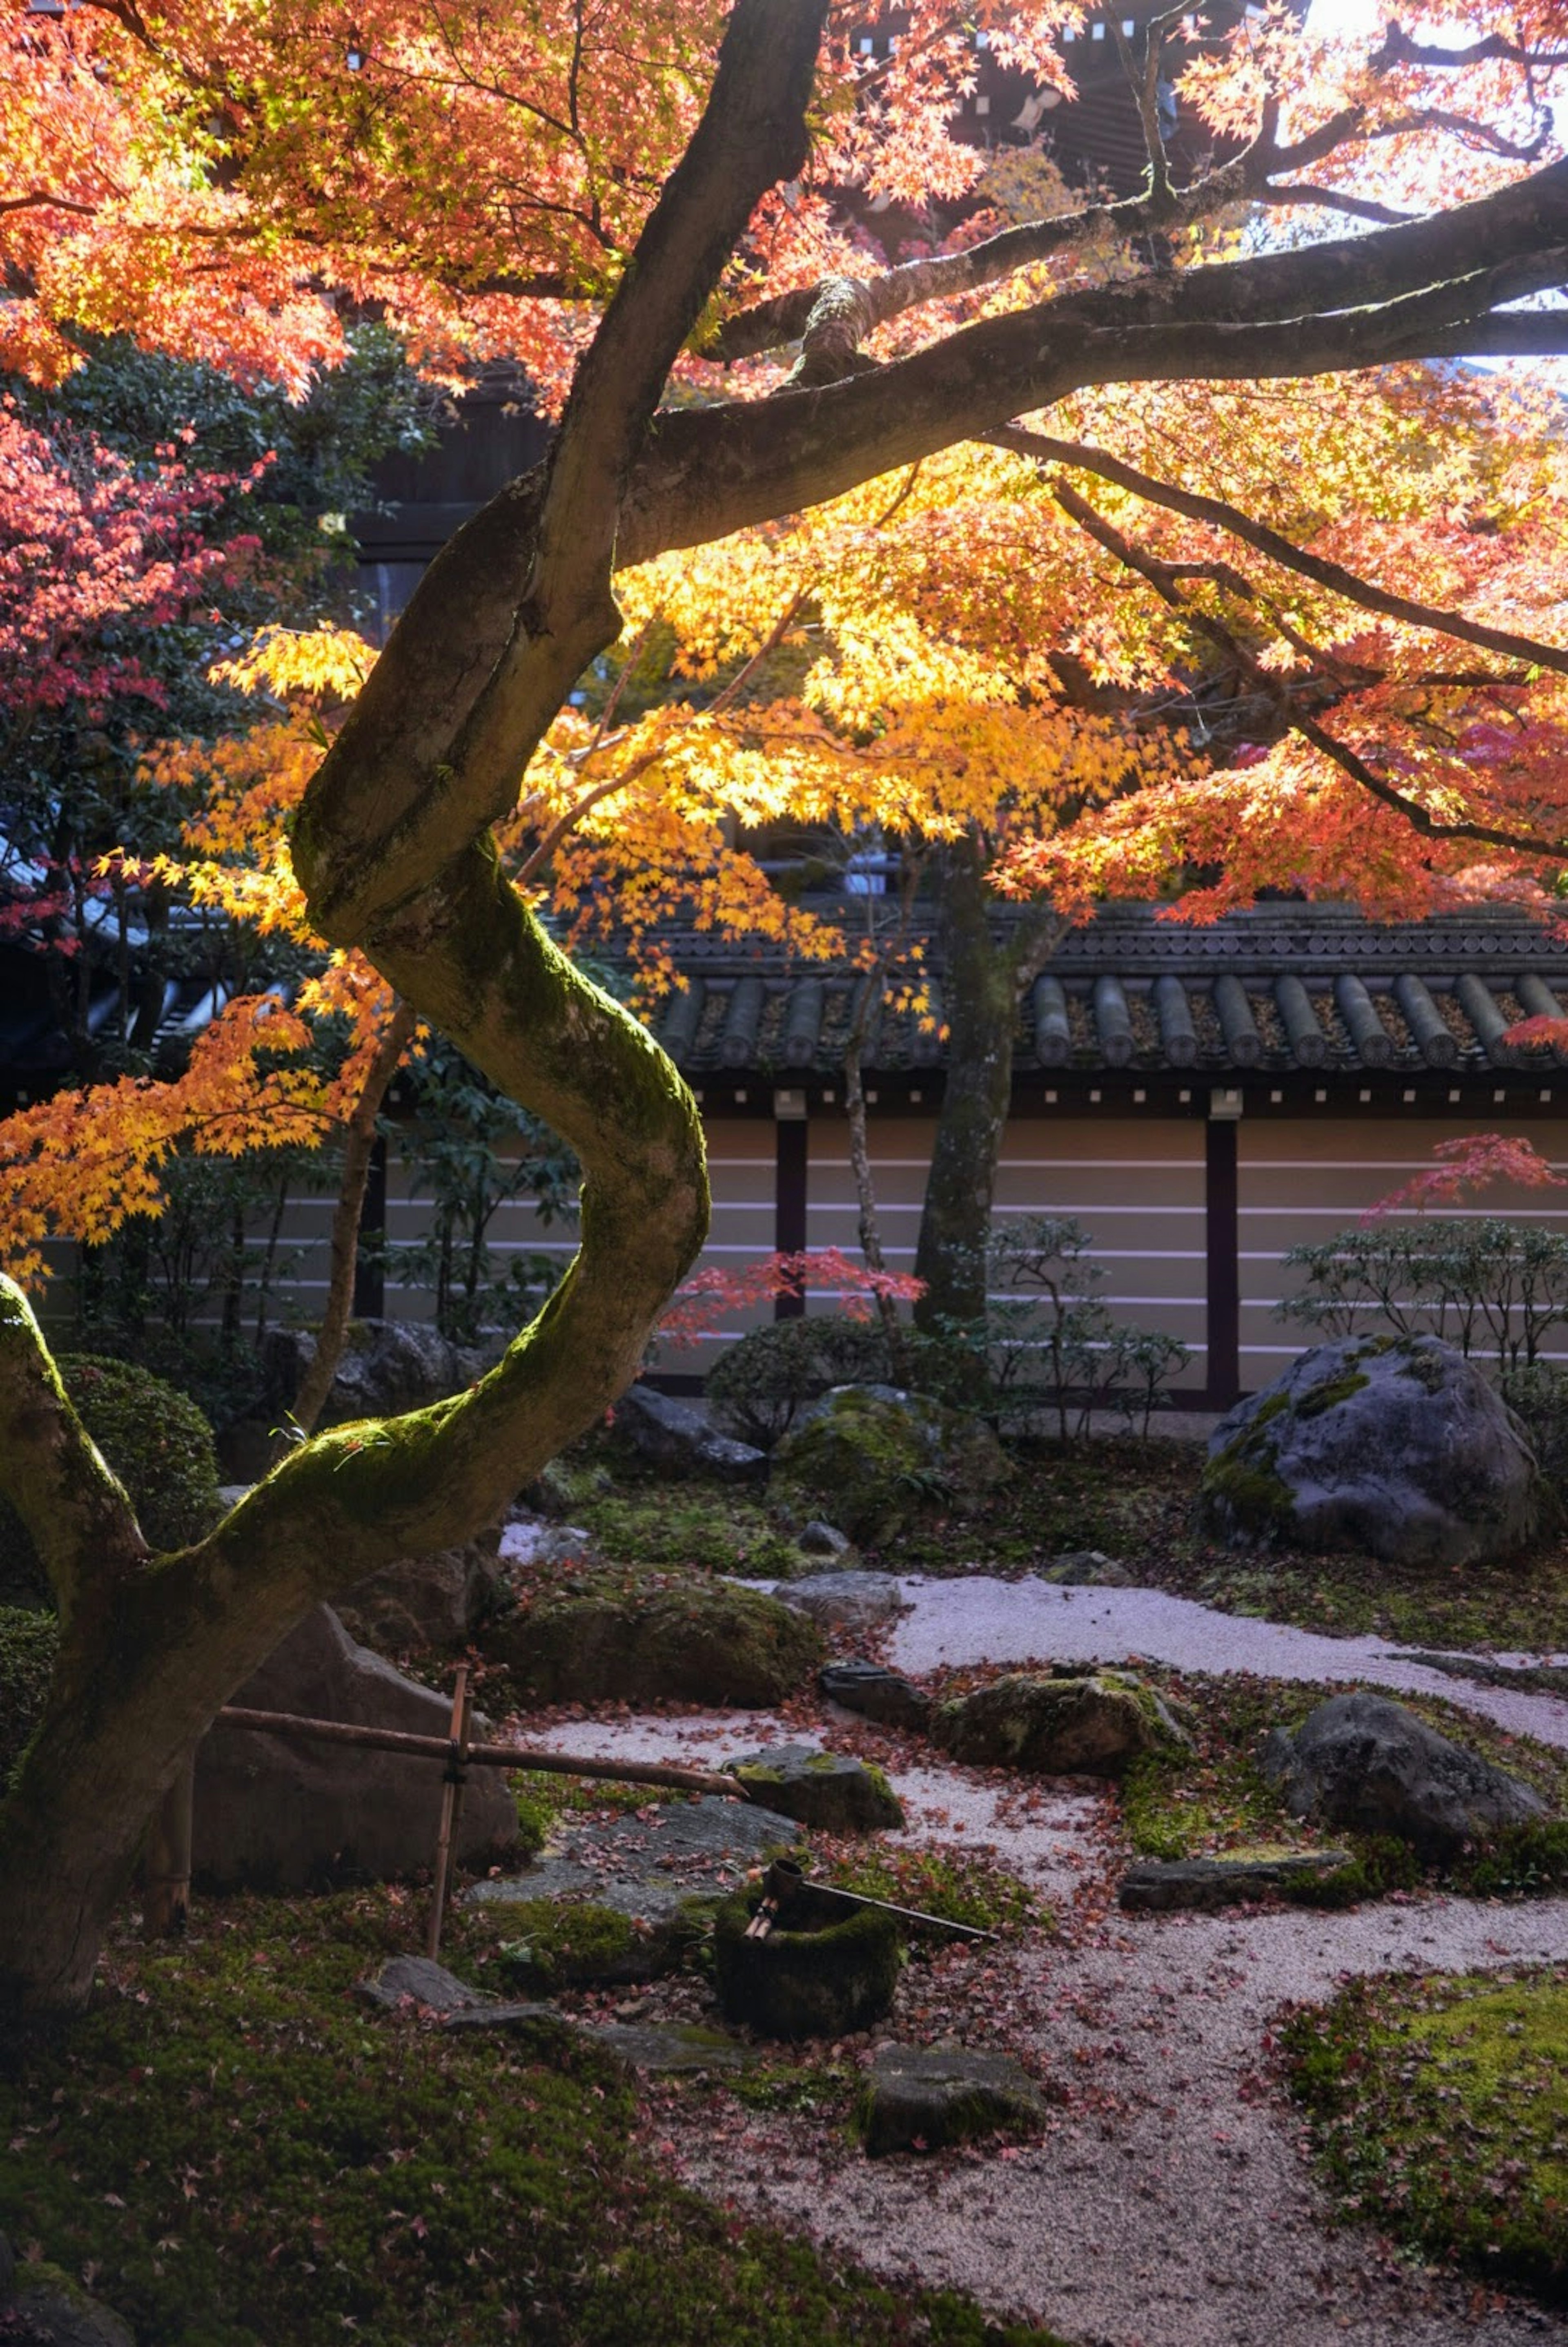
[669, 2048]
[646, 1864]
[919, 2098]
[1168, 1886]
[427, 1983]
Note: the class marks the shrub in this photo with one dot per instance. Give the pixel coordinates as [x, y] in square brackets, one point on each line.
[158, 1444]
[763, 1382]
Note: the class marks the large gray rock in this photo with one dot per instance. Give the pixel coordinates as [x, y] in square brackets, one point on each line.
[387, 1367]
[427, 1601]
[279, 1813]
[679, 1438]
[919, 2098]
[1365, 1762]
[1400, 1447]
[844, 1601]
[1079, 1723]
[878, 1460]
[40, 2306]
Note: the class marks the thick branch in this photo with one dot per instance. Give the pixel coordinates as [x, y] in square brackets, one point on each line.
[1283, 550]
[360, 851]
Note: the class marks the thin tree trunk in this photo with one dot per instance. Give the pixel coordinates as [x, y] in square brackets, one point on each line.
[360, 1142]
[979, 991]
[870, 1002]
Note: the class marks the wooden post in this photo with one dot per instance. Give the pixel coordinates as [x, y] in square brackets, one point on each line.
[451, 1807]
[166, 1908]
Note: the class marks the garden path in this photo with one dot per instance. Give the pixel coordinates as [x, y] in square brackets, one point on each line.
[1169, 2203]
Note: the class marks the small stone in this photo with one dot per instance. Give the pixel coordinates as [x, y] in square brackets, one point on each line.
[845, 1600]
[48, 2314]
[875, 1693]
[819, 1539]
[531, 1540]
[648, 2045]
[931, 2095]
[829, 1789]
[428, 1984]
[519, 2020]
[1167, 1886]
[1090, 1568]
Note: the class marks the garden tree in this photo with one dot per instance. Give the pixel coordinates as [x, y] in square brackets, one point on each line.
[155, 515]
[223, 173]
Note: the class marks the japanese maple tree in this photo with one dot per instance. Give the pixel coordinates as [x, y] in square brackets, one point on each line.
[634, 201]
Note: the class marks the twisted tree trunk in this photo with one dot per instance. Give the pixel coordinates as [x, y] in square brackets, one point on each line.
[393, 850]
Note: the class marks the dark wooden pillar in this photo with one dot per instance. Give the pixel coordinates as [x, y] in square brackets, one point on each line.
[369, 1270]
[790, 1131]
[1222, 1199]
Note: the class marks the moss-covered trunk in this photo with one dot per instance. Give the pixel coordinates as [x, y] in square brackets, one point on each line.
[392, 847]
[979, 983]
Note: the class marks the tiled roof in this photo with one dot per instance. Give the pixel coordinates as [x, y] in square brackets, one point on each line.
[1285, 989]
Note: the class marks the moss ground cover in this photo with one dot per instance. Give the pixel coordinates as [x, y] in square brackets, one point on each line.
[237, 2154]
[1440, 2110]
[649, 1522]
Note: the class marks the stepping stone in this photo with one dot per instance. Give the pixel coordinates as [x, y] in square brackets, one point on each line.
[919, 2098]
[646, 1864]
[1166, 1886]
[430, 1984]
[670, 2048]
[844, 1601]
[831, 1789]
[875, 1693]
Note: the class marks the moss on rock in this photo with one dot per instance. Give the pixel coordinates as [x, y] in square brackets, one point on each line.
[873, 1460]
[607, 1638]
[808, 1981]
[1088, 1723]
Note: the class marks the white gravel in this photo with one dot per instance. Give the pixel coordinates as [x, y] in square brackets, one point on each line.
[981, 1620]
[1169, 2203]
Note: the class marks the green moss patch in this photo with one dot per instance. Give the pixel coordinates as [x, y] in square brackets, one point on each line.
[962, 1886]
[240, 2155]
[695, 1530]
[28, 1639]
[1440, 2112]
[649, 1638]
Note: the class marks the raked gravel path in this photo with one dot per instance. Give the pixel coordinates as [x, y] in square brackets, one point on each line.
[981, 1620]
[1169, 2204]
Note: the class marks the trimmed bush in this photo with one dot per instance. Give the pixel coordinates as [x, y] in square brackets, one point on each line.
[28, 1643]
[158, 1444]
[760, 1386]
[607, 1639]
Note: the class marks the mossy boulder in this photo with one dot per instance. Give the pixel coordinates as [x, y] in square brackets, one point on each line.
[1091, 1723]
[832, 1790]
[158, 1444]
[876, 1460]
[1398, 1448]
[919, 2098]
[824, 1976]
[614, 1638]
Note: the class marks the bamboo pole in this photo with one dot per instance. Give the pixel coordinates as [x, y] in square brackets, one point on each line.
[480, 1755]
[165, 1907]
[451, 1807]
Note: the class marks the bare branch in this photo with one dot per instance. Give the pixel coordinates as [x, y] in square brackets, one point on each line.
[1333, 200]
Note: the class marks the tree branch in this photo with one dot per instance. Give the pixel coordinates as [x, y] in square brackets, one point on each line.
[1194, 506]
